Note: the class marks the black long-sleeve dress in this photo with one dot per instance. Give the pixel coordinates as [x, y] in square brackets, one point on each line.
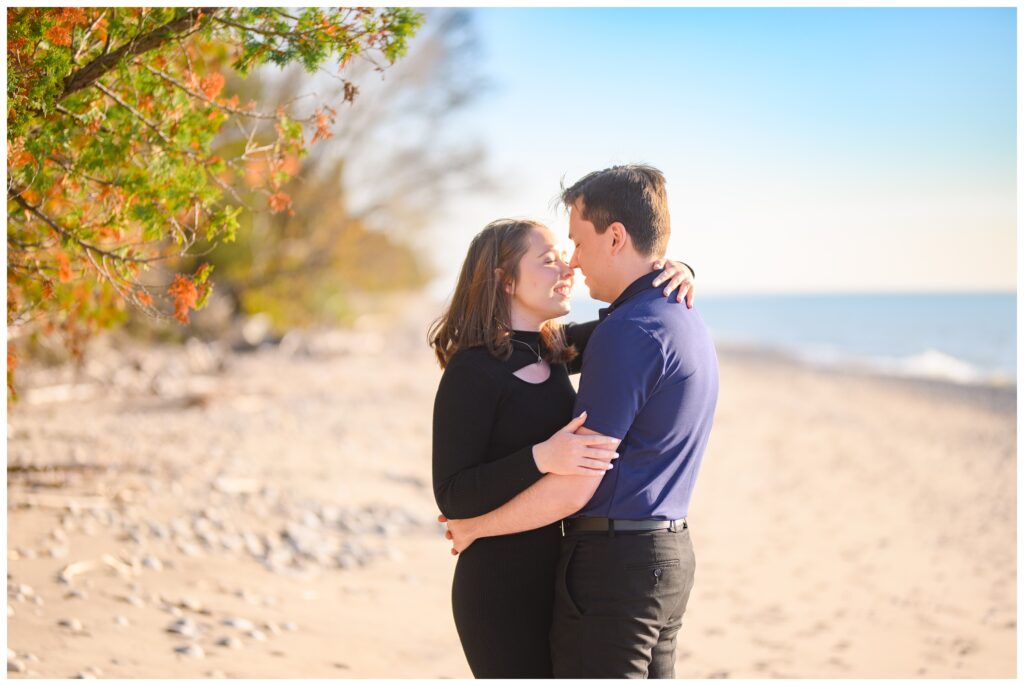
[486, 422]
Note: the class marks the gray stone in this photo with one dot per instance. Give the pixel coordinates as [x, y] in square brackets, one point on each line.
[229, 642]
[184, 627]
[239, 623]
[190, 650]
[71, 623]
[151, 562]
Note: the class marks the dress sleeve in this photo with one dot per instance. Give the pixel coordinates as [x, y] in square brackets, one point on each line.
[578, 335]
[465, 409]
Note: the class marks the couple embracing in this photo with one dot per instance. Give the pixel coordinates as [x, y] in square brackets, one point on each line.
[568, 511]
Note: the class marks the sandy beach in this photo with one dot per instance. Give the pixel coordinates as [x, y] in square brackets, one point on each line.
[196, 512]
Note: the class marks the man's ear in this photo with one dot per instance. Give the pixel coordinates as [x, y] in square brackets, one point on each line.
[619, 236]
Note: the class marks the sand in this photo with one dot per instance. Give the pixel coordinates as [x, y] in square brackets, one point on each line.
[844, 526]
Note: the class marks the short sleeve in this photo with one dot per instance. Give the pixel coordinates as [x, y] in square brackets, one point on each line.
[623, 366]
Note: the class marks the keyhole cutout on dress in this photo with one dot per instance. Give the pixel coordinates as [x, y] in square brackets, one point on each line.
[535, 373]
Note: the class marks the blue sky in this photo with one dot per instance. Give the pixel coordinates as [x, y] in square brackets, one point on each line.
[806, 150]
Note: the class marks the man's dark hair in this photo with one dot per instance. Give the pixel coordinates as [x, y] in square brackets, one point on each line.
[633, 194]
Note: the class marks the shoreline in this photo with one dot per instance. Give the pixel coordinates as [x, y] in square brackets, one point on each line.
[1000, 398]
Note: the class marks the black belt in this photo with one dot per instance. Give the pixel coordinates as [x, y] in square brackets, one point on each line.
[577, 525]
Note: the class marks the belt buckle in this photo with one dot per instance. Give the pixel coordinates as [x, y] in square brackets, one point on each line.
[672, 526]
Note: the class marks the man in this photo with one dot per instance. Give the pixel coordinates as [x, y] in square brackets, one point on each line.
[649, 378]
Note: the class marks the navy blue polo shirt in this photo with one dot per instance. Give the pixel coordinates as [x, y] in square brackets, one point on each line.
[649, 377]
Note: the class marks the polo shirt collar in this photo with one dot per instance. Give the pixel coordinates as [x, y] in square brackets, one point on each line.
[635, 288]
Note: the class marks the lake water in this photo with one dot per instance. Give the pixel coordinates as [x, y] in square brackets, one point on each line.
[966, 338]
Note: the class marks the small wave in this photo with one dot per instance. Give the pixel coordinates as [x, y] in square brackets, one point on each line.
[929, 364]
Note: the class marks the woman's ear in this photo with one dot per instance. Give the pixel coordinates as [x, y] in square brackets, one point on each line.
[507, 284]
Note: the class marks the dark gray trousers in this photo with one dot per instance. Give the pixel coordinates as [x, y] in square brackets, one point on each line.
[619, 604]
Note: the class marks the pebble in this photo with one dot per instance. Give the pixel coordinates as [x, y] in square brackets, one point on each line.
[185, 627]
[229, 642]
[121, 620]
[71, 623]
[11, 654]
[159, 530]
[191, 650]
[135, 601]
[216, 674]
[273, 628]
[10, 610]
[76, 594]
[256, 635]
[15, 666]
[58, 552]
[290, 626]
[31, 657]
[239, 623]
[190, 603]
[26, 590]
[153, 563]
[85, 675]
[38, 600]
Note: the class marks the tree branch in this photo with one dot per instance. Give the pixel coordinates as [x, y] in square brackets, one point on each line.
[70, 236]
[88, 74]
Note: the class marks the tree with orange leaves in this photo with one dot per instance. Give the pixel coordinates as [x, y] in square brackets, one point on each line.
[111, 115]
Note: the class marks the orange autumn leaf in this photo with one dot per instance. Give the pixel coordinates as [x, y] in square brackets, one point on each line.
[144, 297]
[64, 267]
[279, 202]
[12, 359]
[185, 296]
[323, 124]
[59, 34]
[21, 157]
[212, 84]
[30, 196]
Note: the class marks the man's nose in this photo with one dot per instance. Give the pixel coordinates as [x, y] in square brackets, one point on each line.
[573, 262]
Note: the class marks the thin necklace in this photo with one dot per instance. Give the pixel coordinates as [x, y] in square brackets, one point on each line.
[530, 348]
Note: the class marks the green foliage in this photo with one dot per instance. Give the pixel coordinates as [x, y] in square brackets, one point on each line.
[112, 112]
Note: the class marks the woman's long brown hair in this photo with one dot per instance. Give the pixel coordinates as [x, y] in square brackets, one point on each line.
[480, 312]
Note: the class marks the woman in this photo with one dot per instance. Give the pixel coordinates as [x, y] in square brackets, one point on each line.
[502, 419]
